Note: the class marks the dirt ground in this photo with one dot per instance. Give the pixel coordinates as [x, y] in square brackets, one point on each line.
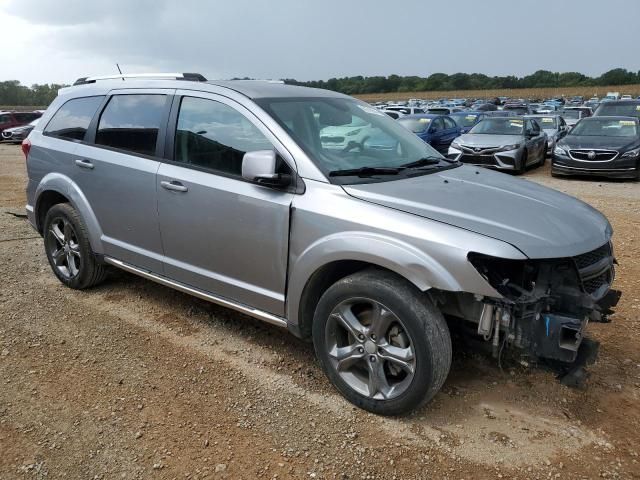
[134, 380]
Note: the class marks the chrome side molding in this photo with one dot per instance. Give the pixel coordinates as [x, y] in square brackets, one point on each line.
[225, 302]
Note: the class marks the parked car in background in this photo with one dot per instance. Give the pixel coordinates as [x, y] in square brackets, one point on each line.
[592, 104]
[573, 115]
[546, 108]
[626, 97]
[443, 110]
[343, 136]
[612, 96]
[393, 113]
[406, 110]
[517, 108]
[627, 108]
[554, 126]
[17, 134]
[467, 120]
[509, 143]
[600, 146]
[16, 119]
[485, 107]
[436, 130]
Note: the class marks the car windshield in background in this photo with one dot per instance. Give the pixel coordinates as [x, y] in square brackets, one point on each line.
[465, 120]
[609, 109]
[547, 122]
[499, 126]
[596, 127]
[416, 125]
[571, 114]
[352, 142]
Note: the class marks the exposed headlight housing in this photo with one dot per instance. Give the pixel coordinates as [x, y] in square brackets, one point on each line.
[559, 151]
[353, 132]
[455, 145]
[631, 153]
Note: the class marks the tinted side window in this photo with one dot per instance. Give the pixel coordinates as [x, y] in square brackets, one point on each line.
[5, 118]
[213, 135]
[438, 124]
[132, 123]
[73, 118]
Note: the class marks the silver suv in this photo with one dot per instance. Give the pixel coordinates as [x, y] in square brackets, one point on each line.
[315, 212]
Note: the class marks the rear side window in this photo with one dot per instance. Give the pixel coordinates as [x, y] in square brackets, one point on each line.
[73, 118]
[214, 136]
[449, 123]
[5, 119]
[132, 123]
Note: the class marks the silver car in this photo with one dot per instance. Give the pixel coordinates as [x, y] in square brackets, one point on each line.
[504, 143]
[554, 126]
[227, 191]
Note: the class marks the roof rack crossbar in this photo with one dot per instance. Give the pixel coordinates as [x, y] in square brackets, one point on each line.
[194, 77]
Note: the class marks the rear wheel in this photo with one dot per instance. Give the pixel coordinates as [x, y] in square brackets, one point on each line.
[381, 342]
[68, 250]
[543, 157]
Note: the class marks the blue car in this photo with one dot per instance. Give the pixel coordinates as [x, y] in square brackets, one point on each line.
[467, 120]
[437, 130]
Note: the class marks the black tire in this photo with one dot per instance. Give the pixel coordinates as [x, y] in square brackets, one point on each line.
[86, 271]
[522, 168]
[544, 155]
[422, 322]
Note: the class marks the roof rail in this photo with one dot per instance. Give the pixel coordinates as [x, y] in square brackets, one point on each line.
[194, 77]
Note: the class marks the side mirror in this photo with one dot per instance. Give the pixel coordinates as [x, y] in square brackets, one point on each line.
[260, 167]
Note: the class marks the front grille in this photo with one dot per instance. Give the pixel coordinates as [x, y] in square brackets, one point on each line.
[326, 139]
[594, 256]
[592, 275]
[479, 150]
[593, 155]
[478, 159]
[592, 285]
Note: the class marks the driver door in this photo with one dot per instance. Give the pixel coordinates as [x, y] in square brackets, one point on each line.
[221, 233]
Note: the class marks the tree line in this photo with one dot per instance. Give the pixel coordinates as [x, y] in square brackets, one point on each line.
[470, 81]
[13, 93]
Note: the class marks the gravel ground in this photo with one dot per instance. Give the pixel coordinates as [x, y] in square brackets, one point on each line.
[134, 380]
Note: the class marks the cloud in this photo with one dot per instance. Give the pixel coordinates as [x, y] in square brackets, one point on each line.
[307, 39]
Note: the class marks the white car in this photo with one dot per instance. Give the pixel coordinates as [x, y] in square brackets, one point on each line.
[342, 136]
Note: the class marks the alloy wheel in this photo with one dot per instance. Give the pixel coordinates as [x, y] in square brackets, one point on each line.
[63, 247]
[370, 348]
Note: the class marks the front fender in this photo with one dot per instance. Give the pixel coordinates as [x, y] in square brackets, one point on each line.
[394, 255]
[68, 188]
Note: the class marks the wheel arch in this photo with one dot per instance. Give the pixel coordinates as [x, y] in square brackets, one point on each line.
[331, 259]
[56, 188]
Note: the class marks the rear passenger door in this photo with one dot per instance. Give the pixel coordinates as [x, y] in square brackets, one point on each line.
[220, 233]
[451, 131]
[116, 169]
[437, 134]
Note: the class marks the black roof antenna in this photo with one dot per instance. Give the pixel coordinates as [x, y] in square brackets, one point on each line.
[119, 71]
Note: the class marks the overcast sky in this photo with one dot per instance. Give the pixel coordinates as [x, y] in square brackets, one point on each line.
[58, 41]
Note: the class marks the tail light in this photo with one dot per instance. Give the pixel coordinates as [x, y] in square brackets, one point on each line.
[26, 147]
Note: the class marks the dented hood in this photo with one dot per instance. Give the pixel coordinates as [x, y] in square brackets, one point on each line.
[539, 221]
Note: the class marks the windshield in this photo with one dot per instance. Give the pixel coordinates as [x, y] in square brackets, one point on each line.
[593, 127]
[499, 126]
[613, 109]
[547, 122]
[465, 119]
[378, 142]
[571, 114]
[416, 125]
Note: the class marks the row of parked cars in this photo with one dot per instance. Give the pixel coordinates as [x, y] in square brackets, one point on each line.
[520, 135]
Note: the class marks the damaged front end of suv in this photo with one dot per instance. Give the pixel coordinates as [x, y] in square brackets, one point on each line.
[544, 308]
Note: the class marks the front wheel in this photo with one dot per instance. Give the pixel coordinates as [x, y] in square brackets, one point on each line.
[381, 342]
[522, 168]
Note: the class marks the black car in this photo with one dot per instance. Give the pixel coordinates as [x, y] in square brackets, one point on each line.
[600, 146]
[627, 108]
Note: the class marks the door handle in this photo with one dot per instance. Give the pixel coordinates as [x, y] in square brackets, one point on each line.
[173, 186]
[84, 163]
